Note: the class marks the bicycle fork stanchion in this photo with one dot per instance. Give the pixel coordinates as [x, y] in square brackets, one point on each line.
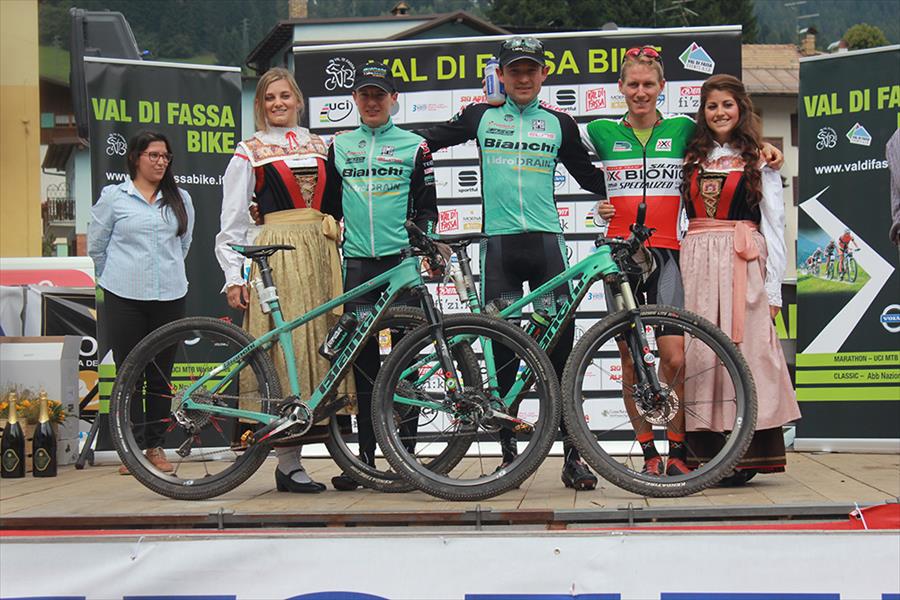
[436, 327]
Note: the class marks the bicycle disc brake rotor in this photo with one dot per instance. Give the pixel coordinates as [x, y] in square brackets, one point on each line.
[657, 409]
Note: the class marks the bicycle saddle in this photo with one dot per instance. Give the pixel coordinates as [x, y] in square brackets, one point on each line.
[458, 238]
[259, 251]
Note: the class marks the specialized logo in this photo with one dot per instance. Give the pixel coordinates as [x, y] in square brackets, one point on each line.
[859, 136]
[595, 99]
[340, 72]
[335, 112]
[538, 125]
[621, 146]
[695, 58]
[116, 145]
[890, 318]
[826, 138]
[664, 145]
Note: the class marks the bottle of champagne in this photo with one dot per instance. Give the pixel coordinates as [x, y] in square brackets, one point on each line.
[44, 443]
[12, 447]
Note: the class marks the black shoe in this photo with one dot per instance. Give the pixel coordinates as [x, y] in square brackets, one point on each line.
[577, 475]
[344, 483]
[737, 478]
[284, 483]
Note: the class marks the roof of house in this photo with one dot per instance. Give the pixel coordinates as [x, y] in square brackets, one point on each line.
[361, 29]
[771, 69]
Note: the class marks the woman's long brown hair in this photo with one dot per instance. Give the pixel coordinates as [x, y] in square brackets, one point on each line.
[745, 137]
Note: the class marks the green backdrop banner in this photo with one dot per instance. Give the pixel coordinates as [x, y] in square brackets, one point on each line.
[198, 108]
[848, 362]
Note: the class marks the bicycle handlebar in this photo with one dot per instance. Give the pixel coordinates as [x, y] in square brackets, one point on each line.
[426, 247]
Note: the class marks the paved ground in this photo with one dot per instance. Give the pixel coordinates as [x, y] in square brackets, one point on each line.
[811, 479]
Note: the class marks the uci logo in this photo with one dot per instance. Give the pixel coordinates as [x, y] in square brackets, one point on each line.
[335, 112]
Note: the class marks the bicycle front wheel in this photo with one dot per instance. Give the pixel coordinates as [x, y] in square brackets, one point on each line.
[713, 389]
[397, 322]
[211, 456]
[852, 270]
[474, 414]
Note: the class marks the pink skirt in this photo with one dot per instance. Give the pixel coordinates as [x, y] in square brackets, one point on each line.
[717, 276]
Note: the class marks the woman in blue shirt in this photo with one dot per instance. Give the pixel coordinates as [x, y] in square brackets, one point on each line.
[139, 236]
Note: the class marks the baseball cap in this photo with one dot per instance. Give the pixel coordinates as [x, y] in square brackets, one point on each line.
[517, 48]
[374, 73]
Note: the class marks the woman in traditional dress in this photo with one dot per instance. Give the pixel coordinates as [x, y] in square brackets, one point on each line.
[732, 263]
[282, 169]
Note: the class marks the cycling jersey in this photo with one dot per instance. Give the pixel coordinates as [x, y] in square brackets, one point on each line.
[844, 241]
[651, 172]
[376, 180]
[519, 147]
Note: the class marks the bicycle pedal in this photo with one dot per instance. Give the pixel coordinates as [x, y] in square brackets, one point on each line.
[246, 439]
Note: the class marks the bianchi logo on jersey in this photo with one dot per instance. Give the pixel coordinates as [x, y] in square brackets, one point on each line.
[622, 147]
[664, 145]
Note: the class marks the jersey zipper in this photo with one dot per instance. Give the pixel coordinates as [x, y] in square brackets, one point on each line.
[519, 173]
[369, 186]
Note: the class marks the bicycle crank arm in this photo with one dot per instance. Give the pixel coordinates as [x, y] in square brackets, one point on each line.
[274, 428]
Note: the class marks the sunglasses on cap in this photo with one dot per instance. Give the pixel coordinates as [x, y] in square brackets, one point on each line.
[648, 51]
[528, 44]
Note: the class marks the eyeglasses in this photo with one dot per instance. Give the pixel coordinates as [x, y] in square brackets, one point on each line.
[523, 43]
[648, 51]
[155, 157]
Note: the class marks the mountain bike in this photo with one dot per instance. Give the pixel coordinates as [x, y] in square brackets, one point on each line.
[830, 266]
[609, 445]
[225, 408]
[849, 270]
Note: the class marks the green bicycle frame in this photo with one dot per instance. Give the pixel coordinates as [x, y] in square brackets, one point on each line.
[588, 270]
[398, 279]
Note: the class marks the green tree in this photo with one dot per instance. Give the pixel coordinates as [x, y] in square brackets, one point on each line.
[593, 14]
[863, 35]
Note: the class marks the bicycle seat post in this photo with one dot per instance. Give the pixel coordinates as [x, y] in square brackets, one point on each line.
[265, 286]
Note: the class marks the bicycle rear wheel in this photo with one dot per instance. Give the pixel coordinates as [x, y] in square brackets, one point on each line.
[476, 416]
[211, 457]
[603, 431]
[397, 322]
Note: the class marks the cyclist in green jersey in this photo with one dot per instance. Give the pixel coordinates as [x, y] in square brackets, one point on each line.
[377, 177]
[520, 143]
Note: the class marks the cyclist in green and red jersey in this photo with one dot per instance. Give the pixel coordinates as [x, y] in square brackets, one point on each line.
[642, 155]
